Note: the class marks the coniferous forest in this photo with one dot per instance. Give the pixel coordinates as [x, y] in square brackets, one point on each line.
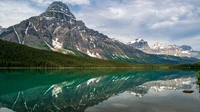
[16, 55]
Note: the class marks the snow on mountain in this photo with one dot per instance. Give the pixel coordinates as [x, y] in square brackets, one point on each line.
[140, 44]
[161, 49]
[158, 46]
[175, 84]
[2, 29]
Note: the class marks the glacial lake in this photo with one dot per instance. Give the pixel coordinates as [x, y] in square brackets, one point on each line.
[106, 90]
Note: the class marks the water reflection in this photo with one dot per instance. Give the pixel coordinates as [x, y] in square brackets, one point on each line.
[85, 90]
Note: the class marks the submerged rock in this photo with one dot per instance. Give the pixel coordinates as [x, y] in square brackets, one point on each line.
[188, 91]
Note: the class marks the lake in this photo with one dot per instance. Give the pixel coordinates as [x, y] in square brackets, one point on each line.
[106, 90]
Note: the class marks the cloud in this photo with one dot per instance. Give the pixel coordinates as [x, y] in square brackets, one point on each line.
[167, 21]
[72, 2]
[13, 12]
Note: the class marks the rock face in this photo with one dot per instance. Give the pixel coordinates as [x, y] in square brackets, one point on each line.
[141, 45]
[57, 29]
[168, 50]
[175, 50]
[2, 29]
[186, 48]
[160, 49]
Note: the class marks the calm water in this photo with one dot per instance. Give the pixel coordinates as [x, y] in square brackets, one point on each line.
[98, 91]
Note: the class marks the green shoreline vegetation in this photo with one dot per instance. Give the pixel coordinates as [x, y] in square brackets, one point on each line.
[198, 79]
[13, 55]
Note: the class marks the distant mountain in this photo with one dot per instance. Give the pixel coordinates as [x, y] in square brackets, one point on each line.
[2, 29]
[57, 29]
[186, 48]
[141, 45]
[161, 49]
[182, 51]
[168, 50]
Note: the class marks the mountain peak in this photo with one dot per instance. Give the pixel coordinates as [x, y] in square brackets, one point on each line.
[59, 10]
[186, 48]
[137, 40]
[58, 6]
[140, 44]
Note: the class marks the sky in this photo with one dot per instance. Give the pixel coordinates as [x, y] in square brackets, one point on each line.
[164, 21]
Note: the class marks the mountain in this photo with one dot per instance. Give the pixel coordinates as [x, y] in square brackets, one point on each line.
[186, 48]
[168, 50]
[140, 44]
[161, 49]
[182, 51]
[57, 29]
[2, 29]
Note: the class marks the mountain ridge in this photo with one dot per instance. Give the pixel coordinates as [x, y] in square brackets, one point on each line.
[161, 49]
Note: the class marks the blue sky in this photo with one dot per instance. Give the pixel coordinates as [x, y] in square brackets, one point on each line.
[164, 21]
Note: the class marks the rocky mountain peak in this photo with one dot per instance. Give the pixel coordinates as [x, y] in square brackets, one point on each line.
[1, 29]
[60, 11]
[58, 6]
[137, 40]
[186, 48]
[140, 44]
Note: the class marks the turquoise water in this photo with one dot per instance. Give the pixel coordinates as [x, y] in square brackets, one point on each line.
[106, 90]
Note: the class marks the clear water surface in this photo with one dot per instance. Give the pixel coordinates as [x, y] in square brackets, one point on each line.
[98, 91]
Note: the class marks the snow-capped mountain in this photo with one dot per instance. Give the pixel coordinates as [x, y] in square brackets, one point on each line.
[175, 50]
[57, 29]
[2, 29]
[161, 49]
[175, 84]
[186, 48]
[141, 45]
[167, 49]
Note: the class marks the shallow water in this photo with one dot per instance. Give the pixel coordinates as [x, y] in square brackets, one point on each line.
[98, 91]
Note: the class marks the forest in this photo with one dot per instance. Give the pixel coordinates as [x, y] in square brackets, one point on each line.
[16, 55]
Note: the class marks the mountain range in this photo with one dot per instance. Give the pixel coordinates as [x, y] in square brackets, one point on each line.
[161, 49]
[58, 30]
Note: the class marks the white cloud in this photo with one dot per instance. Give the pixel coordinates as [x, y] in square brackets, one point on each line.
[116, 12]
[168, 21]
[72, 2]
[113, 13]
[13, 12]
[164, 24]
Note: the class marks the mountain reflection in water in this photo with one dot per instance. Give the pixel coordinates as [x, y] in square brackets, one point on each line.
[96, 90]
